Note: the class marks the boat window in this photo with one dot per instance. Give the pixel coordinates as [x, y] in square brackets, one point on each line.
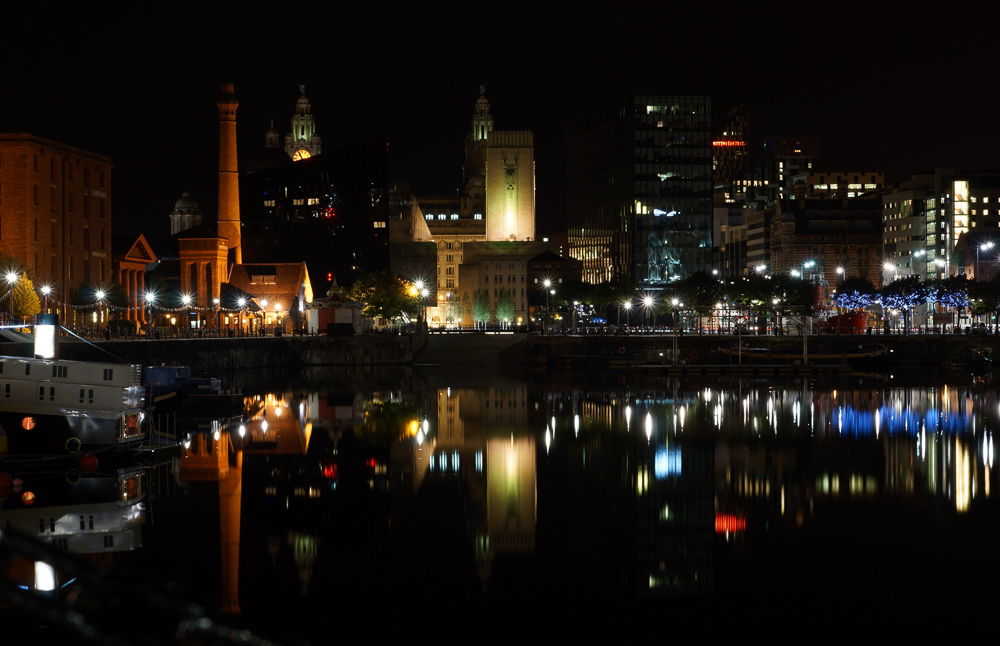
[6, 390]
[52, 393]
[81, 401]
[82, 526]
[90, 394]
[41, 392]
[27, 369]
[109, 374]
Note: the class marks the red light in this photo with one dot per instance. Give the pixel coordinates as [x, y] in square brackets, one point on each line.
[330, 471]
[729, 523]
[728, 143]
[371, 463]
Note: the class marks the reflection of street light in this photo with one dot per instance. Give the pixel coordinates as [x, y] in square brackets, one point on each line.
[986, 246]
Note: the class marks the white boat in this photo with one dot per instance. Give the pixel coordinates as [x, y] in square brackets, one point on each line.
[53, 406]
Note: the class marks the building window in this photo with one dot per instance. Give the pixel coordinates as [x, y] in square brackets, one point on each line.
[429, 216]
[477, 216]
[454, 216]
[36, 229]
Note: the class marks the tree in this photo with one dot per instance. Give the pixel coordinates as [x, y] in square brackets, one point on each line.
[466, 305]
[984, 297]
[855, 293]
[26, 303]
[385, 295]
[480, 307]
[505, 307]
[903, 295]
[455, 311]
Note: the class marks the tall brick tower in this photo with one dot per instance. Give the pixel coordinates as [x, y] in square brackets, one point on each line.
[229, 183]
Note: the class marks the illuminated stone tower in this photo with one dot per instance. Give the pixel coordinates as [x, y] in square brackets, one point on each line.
[510, 185]
[229, 184]
[303, 142]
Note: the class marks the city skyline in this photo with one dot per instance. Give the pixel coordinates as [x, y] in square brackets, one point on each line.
[143, 90]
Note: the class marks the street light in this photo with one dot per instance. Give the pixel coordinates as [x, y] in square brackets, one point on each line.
[627, 306]
[186, 300]
[46, 290]
[150, 299]
[986, 246]
[647, 302]
[890, 269]
[100, 301]
[242, 302]
[545, 319]
[11, 279]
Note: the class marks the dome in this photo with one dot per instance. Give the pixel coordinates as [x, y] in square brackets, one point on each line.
[186, 206]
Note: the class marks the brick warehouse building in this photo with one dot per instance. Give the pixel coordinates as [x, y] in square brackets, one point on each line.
[55, 213]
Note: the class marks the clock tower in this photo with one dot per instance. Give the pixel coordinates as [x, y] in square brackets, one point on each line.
[303, 142]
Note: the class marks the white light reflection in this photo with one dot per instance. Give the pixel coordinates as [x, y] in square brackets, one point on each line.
[576, 425]
[420, 438]
[243, 430]
[649, 425]
[548, 439]
[263, 426]
[628, 417]
[682, 413]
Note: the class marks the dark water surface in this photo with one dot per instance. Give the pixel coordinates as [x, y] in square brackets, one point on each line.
[460, 506]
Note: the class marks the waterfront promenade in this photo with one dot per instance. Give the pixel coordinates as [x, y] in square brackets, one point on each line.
[592, 351]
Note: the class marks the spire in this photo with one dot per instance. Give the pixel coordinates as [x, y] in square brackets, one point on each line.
[482, 121]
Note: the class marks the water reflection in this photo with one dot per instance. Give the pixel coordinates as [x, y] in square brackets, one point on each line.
[481, 488]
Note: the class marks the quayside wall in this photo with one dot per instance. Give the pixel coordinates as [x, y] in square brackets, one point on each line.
[210, 356]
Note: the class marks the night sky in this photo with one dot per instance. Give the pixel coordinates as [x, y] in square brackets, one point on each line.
[885, 92]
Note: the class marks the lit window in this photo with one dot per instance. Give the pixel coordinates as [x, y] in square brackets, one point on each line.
[454, 216]
[477, 216]
[429, 216]
[442, 216]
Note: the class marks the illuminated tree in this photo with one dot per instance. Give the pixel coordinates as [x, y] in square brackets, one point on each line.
[26, 302]
[481, 307]
[505, 307]
[855, 293]
[904, 295]
[385, 295]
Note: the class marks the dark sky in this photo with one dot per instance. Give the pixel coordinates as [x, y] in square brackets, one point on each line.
[898, 93]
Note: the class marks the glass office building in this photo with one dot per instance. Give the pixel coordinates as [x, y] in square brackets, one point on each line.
[639, 183]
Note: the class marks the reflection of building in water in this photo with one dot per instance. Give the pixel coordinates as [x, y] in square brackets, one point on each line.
[497, 471]
[205, 458]
[92, 514]
[81, 515]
